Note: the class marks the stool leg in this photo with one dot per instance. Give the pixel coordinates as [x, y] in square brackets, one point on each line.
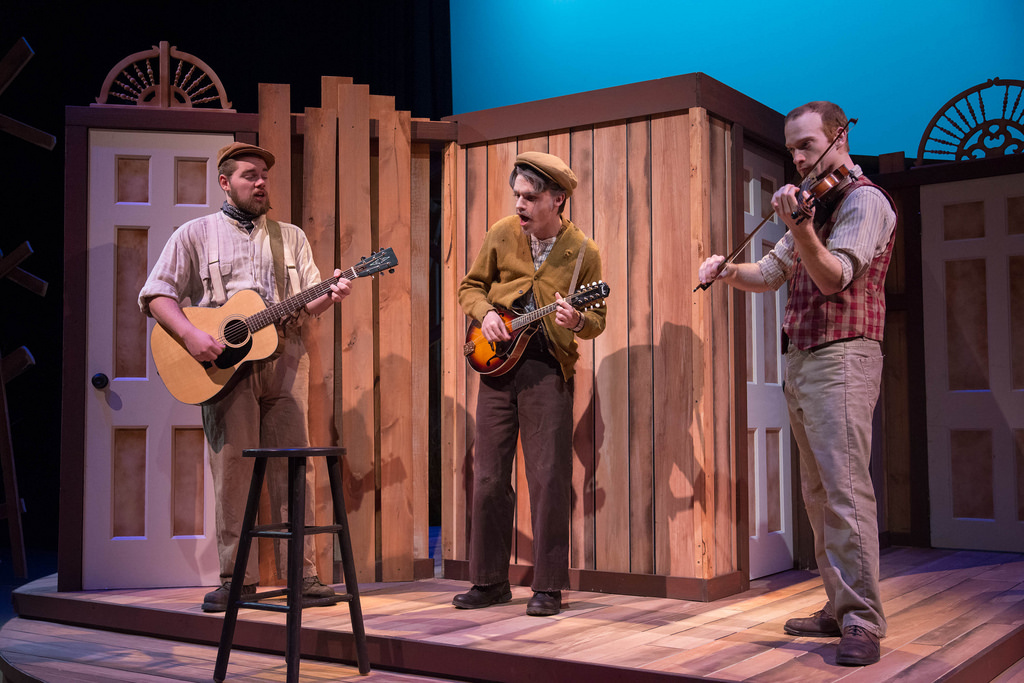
[227, 633]
[296, 544]
[348, 564]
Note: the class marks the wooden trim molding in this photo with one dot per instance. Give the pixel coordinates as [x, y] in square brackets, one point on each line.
[623, 102]
[625, 583]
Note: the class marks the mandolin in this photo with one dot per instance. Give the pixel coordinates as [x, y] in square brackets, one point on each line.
[497, 358]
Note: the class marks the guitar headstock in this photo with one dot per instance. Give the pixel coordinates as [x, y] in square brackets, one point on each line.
[590, 296]
[376, 262]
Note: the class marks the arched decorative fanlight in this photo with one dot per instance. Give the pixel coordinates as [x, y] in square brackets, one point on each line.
[180, 80]
[984, 121]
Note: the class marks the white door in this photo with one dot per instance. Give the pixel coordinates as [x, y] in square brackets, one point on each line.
[148, 518]
[768, 443]
[972, 246]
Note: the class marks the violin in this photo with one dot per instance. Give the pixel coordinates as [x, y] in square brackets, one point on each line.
[816, 189]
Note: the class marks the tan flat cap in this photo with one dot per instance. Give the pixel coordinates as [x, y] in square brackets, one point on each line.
[241, 149]
[551, 166]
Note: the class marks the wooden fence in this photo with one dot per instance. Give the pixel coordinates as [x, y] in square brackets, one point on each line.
[659, 483]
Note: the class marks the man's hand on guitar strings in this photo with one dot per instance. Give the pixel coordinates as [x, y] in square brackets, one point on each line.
[493, 328]
[201, 345]
[340, 290]
[566, 315]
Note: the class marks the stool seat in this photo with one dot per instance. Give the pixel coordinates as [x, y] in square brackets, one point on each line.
[294, 530]
[304, 452]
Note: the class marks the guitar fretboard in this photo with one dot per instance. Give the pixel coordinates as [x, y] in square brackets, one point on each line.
[534, 315]
[271, 314]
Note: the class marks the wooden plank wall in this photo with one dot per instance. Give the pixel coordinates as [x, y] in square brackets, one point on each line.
[368, 381]
[654, 472]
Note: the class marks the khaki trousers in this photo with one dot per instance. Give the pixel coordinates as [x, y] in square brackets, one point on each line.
[266, 408]
[831, 394]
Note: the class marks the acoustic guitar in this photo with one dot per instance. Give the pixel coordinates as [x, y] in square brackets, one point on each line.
[497, 358]
[245, 325]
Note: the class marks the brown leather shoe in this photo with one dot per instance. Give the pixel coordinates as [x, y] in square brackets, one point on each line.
[483, 596]
[217, 600]
[821, 624]
[544, 604]
[312, 587]
[858, 647]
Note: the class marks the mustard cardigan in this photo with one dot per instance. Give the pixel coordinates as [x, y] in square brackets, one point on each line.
[503, 272]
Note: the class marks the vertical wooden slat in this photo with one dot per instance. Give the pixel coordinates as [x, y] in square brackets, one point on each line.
[673, 410]
[500, 158]
[419, 322]
[560, 144]
[355, 348]
[319, 333]
[276, 137]
[533, 143]
[318, 222]
[582, 214]
[636, 297]
[700, 353]
[728, 335]
[725, 206]
[611, 351]
[476, 200]
[522, 540]
[453, 367]
[500, 203]
[396, 468]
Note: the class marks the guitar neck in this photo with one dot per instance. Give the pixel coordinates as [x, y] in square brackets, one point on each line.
[271, 314]
[535, 315]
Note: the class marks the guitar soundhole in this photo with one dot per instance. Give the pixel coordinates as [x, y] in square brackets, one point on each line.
[235, 332]
[237, 342]
[501, 351]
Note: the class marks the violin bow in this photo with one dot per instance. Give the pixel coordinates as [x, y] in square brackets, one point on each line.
[743, 245]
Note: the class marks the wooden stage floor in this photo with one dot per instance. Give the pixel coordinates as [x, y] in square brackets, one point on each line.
[953, 616]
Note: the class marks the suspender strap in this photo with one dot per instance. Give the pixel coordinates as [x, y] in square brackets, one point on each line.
[213, 255]
[277, 251]
[576, 271]
[284, 261]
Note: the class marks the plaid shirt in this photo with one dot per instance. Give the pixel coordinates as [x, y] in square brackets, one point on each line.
[853, 229]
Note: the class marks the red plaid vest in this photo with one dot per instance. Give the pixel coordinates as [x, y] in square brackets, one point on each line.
[812, 318]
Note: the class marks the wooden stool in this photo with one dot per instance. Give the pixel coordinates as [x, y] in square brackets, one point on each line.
[294, 531]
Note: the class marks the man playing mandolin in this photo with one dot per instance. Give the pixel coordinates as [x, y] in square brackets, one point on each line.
[206, 261]
[528, 261]
[834, 256]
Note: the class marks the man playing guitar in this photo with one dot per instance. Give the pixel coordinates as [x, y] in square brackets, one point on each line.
[206, 261]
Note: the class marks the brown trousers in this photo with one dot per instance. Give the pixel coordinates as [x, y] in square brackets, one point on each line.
[267, 408]
[534, 403]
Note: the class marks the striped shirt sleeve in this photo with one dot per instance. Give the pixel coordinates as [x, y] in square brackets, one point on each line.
[864, 223]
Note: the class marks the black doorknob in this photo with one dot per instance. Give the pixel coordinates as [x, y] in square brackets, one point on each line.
[100, 381]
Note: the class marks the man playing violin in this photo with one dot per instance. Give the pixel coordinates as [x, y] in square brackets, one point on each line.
[528, 260]
[834, 256]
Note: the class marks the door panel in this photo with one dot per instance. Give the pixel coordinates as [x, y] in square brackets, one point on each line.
[973, 267]
[768, 442]
[148, 518]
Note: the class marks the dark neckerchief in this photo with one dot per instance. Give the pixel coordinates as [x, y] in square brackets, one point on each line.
[245, 219]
